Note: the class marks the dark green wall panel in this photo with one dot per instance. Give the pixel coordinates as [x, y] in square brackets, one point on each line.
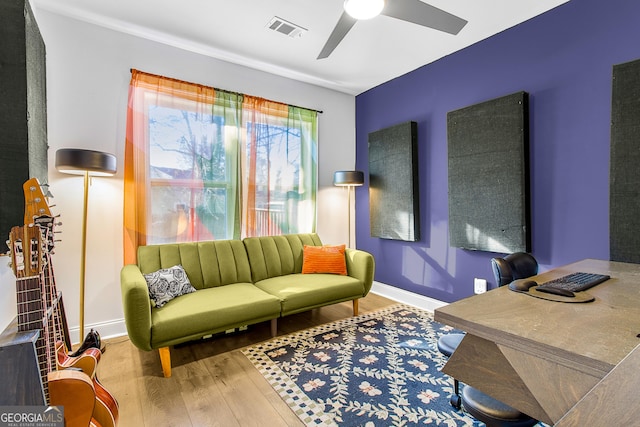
[23, 110]
[393, 182]
[624, 191]
[488, 153]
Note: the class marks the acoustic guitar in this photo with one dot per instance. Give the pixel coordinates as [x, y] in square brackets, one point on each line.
[68, 376]
[38, 214]
[26, 261]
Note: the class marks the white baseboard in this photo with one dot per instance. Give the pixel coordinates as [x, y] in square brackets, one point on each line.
[111, 329]
[116, 328]
[406, 297]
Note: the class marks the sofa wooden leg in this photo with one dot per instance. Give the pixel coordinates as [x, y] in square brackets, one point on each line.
[274, 327]
[165, 360]
[355, 307]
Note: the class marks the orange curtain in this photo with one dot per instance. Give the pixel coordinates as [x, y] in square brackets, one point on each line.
[145, 89]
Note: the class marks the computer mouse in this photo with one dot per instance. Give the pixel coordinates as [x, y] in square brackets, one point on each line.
[557, 291]
[522, 285]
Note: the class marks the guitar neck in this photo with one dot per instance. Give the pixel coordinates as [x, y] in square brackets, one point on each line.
[29, 298]
[44, 361]
[54, 303]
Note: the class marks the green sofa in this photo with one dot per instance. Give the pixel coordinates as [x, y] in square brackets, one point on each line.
[238, 283]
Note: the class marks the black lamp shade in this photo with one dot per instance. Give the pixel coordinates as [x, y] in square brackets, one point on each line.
[348, 178]
[79, 161]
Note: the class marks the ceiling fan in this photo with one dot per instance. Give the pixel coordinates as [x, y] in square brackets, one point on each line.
[414, 11]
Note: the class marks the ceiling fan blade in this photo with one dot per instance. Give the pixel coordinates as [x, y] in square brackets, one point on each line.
[341, 29]
[424, 14]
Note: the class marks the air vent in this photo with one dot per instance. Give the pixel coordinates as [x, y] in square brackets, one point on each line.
[285, 27]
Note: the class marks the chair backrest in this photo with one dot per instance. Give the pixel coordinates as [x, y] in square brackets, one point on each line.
[518, 265]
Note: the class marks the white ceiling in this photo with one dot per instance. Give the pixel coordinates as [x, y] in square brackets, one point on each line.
[373, 52]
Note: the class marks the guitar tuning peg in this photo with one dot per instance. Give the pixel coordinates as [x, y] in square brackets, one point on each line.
[59, 223]
[52, 206]
[59, 240]
[47, 192]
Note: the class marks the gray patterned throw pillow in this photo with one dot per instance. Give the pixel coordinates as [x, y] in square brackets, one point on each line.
[168, 283]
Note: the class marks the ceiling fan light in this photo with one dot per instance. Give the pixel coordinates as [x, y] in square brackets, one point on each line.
[363, 9]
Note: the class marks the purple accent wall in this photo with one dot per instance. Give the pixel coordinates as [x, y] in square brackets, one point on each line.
[564, 60]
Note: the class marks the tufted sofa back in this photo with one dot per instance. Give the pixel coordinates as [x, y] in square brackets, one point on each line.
[207, 264]
[273, 256]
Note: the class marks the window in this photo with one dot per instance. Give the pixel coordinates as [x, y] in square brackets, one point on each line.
[189, 176]
[281, 171]
[203, 164]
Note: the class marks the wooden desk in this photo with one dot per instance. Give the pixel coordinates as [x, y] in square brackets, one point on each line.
[613, 401]
[540, 356]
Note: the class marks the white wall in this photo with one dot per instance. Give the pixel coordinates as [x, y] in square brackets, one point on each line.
[87, 85]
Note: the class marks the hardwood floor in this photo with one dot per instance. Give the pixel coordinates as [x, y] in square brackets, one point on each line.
[212, 382]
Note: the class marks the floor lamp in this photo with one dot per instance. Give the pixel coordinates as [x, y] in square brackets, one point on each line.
[88, 163]
[348, 179]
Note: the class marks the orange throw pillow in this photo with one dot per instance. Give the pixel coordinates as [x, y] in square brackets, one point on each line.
[324, 259]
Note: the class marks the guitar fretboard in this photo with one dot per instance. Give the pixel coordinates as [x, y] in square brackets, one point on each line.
[29, 297]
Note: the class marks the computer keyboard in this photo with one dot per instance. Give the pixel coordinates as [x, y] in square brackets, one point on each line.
[575, 282]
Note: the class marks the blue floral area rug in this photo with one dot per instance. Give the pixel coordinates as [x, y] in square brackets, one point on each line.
[377, 369]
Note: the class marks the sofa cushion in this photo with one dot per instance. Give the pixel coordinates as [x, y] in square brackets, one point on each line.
[210, 311]
[300, 292]
[208, 264]
[324, 259]
[167, 284]
[273, 256]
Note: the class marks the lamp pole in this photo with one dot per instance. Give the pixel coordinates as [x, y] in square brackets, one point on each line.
[348, 179]
[349, 188]
[83, 258]
[87, 163]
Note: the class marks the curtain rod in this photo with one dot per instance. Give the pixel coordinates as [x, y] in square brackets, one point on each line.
[223, 90]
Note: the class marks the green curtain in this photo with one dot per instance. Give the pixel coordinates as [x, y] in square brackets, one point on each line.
[307, 123]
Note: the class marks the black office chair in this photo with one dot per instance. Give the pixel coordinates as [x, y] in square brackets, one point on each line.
[479, 405]
[519, 265]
